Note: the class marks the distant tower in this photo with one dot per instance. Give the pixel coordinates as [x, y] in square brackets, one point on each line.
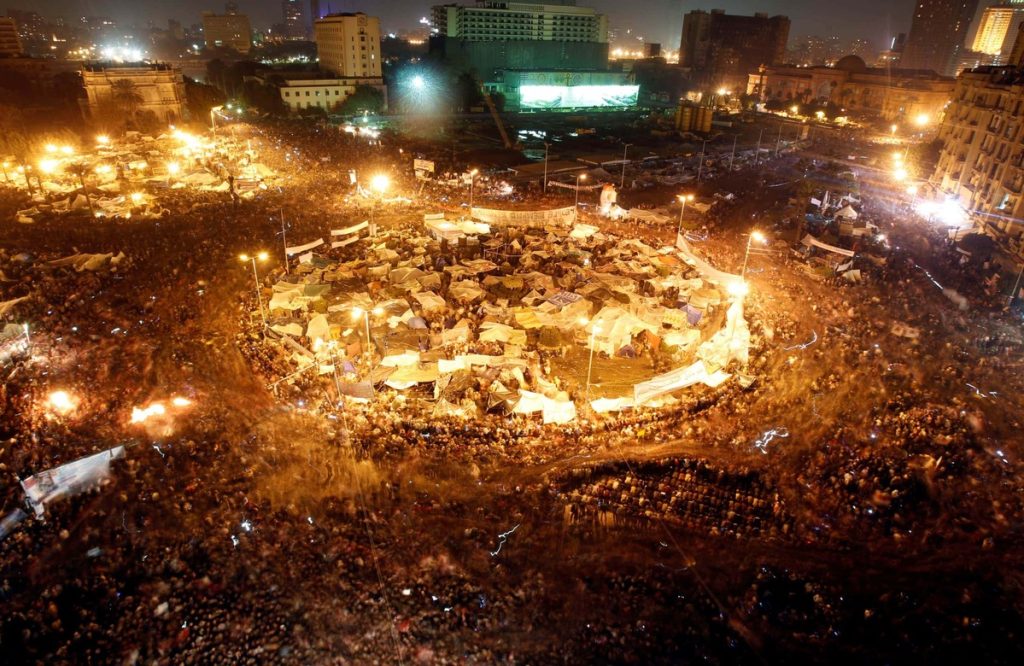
[937, 34]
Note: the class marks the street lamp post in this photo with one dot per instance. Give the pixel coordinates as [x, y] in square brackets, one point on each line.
[262, 256]
[700, 167]
[622, 183]
[594, 330]
[358, 312]
[472, 182]
[683, 198]
[754, 236]
[544, 185]
[7, 179]
[576, 206]
[213, 118]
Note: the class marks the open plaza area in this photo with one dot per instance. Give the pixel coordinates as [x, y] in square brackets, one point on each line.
[280, 394]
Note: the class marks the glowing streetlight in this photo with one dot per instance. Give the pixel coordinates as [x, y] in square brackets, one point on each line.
[173, 168]
[259, 256]
[892, 129]
[67, 150]
[900, 174]
[418, 82]
[683, 198]
[594, 330]
[754, 236]
[48, 166]
[794, 109]
[738, 289]
[61, 402]
[102, 140]
[103, 169]
[50, 148]
[820, 115]
[922, 119]
[380, 183]
[136, 197]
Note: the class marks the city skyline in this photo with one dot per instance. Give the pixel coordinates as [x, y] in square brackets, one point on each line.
[875, 20]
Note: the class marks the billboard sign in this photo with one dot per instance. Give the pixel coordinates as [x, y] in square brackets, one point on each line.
[577, 97]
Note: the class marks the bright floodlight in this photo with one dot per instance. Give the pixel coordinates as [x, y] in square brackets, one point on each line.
[893, 129]
[723, 91]
[136, 197]
[67, 150]
[48, 166]
[243, 257]
[418, 82]
[684, 197]
[738, 289]
[102, 139]
[900, 174]
[178, 401]
[61, 402]
[757, 236]
[262, 256]
[794, 109]
[357, 312]
[173, 168]
[380, 182]
[922, 119]
[51, 148]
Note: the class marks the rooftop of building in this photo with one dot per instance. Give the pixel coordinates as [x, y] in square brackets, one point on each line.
[105, 66]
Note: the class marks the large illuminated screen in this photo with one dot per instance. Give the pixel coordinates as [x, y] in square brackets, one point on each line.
[577, 97]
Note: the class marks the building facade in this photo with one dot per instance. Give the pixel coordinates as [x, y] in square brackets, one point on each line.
[721, 50]
[508, 21]
[348, 45]
[937, 35]
[10, 42]
[490, 37]
[982, 158]
[300, 92]
[294, 19]
[997, 30]
[230, 30]
[160, 86]
[890, 94]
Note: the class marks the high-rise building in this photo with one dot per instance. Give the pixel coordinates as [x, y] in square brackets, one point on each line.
[348, 45]
[937, 34]
[229, 30]
[10, 43]
[316, 11]
[551, 21]
[997, 30]
[722, 50]
[491, 36]
[294, 19]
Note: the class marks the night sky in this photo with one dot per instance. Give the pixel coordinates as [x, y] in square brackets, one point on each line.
[658, 20]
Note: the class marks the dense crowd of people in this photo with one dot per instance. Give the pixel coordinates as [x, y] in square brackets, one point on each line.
[256, 529]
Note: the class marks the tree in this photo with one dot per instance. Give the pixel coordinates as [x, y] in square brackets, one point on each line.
[12, 132]
[364, 99]
[126, 96]
[200, 98]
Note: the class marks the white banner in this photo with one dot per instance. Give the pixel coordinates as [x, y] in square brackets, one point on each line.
[350, 230]
[526, 218]
[70, 479]
[571, 186]
[347, 241]
[673, 381]
[296, 249]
